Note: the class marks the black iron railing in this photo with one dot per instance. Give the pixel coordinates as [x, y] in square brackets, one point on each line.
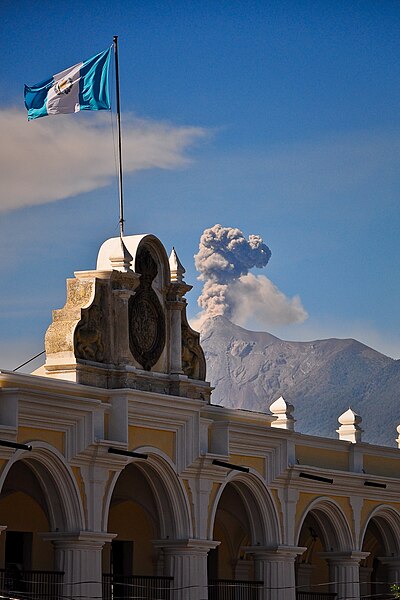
[315, 596]
[228, 589]
[38, 585]
[139, 587]
[383, 596]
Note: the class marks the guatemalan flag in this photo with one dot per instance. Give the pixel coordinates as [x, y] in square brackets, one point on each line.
[81, 87]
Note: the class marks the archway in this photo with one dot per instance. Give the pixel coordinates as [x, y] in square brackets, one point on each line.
[324, 532]
[381, 538]
[147, 504]
[244, 516]
[38, 496]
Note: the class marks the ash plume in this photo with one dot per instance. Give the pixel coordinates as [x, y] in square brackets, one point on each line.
[224, 260]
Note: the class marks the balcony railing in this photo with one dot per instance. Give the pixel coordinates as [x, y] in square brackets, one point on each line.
[36, 585]
[228, 589]
[383, 596]
[139, 587]
[315, 596]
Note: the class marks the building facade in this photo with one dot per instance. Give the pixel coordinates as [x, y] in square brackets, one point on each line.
[119, 478]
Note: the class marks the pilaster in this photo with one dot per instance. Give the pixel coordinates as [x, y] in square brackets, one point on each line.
[201, 489]
[122, 350]
[288, 498]
[95, 479]
[177, 289]
[175, 308]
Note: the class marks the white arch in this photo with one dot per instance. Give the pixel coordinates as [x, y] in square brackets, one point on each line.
[261, 509]
[169, 493]
[387, 519]
[332, 521]
[57, 481]
[112, 247]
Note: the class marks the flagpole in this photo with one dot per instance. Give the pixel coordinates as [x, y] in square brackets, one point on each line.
[121, 199]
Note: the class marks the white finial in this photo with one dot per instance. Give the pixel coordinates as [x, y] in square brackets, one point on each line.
[350, 429]
[176, 267]
[398, 437]
[283, 411]
[123, 259]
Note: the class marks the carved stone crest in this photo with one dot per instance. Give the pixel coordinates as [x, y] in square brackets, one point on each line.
[146, 316]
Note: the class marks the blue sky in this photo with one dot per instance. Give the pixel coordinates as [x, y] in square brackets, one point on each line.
[280, 118]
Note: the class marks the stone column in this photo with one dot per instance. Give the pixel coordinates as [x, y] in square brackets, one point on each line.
[175, 307]
[79, 556]
[177, 289]
[275, 567]
[122, 326]
[344, 573]
[186, 562]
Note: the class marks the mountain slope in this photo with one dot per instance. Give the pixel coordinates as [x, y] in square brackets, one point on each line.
[321, 378]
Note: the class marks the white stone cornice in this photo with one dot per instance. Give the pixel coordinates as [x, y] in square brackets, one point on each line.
[70, 538]
[344, 557]
[345, 483]
[278, 552]
[186, 545]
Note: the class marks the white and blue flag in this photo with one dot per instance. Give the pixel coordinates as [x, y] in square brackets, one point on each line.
[81, 87]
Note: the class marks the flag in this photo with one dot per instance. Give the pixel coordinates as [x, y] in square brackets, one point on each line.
[81, 87]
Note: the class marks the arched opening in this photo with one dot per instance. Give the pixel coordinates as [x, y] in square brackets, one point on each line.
[24, 510]
[145, 506]
[312, 571]
[244, 518]
[133, 517]
[324, 530]
[32, 503]
[381, 567]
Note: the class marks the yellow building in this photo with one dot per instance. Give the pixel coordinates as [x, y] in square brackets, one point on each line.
[119, 478]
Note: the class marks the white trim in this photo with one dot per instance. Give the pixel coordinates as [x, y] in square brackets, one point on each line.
[60, 486]
[252, 490]
[339, 533]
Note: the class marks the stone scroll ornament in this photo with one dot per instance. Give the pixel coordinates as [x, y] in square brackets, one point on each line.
[193, 360]
[89, 335]
[146, 315]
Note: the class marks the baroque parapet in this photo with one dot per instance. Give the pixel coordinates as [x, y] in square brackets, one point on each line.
[124, 325]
